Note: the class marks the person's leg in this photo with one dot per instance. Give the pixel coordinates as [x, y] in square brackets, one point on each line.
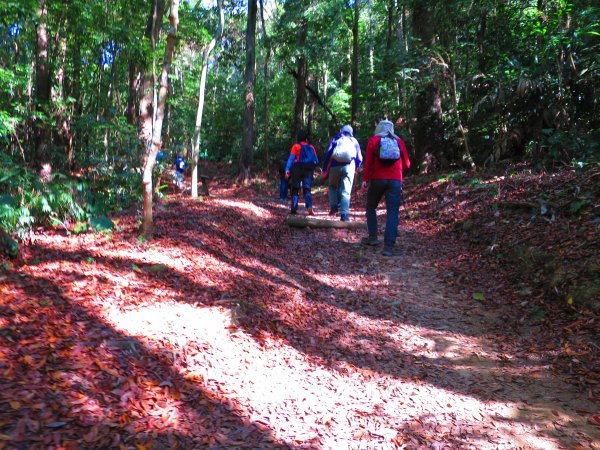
[347, 178]
[295, 180]
[306, 187]
[334, 180]
[283, 188]
[374, 194]
[392, 203]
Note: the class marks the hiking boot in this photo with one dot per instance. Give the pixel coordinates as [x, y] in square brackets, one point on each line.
[345, 218]
[333, 211]
[391, 251]
[370, 240]
[311, 212]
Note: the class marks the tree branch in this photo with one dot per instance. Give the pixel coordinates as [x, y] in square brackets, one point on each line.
[316, 95]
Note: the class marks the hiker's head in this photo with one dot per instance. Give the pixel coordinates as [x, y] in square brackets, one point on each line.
[384, 127]
[301, 136]
[347, 130]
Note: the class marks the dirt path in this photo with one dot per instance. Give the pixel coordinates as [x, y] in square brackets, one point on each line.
[233, 331]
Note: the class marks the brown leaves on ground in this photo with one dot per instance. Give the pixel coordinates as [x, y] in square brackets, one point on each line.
[230, 330]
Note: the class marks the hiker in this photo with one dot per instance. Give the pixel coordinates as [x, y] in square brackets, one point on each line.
[342, 160]
[385, 160]
[284, 187]
[180, 167]
[299, 170]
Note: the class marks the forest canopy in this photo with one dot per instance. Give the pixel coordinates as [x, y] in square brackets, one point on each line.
[91, 92]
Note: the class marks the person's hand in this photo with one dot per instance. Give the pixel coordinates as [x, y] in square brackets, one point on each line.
[287, 175]
[365, 185]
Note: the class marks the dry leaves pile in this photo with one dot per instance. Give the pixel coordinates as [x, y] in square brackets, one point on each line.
[231, 330]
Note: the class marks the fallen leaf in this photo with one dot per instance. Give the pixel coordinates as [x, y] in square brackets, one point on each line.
[479, 296]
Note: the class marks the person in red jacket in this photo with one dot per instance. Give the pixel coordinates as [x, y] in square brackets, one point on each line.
[384, 163]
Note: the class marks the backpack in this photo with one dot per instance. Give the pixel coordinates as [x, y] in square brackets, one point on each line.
[307, 156]
[389, 150]
[344, 150]
[180, 165]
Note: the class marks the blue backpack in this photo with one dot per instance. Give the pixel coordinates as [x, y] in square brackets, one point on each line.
[307, 155]
[389, 151]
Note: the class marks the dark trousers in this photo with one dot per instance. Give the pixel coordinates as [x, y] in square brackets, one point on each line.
[301, 175]
[392, 190]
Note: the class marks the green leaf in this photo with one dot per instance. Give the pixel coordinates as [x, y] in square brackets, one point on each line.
[479, 296]
[157, 268]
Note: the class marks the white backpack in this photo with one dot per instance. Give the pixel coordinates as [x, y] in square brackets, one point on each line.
[344, 149]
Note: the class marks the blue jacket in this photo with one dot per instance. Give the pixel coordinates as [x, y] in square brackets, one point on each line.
[180, 165]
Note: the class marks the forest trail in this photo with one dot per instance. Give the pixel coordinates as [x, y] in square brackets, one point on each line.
[231, 330]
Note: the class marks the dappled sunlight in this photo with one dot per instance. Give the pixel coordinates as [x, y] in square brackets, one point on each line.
[247, 208]
[269, 381]
[300, 398]
[327, 348]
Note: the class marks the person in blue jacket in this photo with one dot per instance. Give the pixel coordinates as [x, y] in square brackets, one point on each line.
[180, 167]
[299, 170]
[339, 166]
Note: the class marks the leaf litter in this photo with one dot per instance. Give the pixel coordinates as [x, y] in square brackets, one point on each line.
[231, 330]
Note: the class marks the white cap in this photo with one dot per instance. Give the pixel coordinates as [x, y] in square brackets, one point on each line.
[347, 129]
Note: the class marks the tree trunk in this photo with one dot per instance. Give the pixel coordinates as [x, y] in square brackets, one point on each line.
[152, 151]
[250, 103]
[311, 104]
[428, 103]
[300, 82]
[355, 55]
[42, 92]
[146, 107]
[313, 222]
[480, 39]
[201, 95]
[266, 76]
[134, 85]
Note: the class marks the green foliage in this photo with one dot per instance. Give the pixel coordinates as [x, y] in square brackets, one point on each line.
[60, 201]
[102, 223]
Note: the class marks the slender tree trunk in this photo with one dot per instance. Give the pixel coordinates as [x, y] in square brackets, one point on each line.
[355, 56]
[134, 84]
[429, 135]
[300, 82]
[155, 145]
[266, 76]
[250, 103]
[42, 92]
[107, 110]
[201, 95]
[146, 107]
[480, 39]
[311, 104]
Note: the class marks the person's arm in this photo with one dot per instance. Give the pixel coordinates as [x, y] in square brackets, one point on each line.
[369, 160]
[315, 156]
[328, 154]
[294, 153]
[404, 155]
[358, 158]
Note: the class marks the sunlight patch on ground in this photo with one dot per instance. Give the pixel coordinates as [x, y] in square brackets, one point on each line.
[247, 207]
[300, 400]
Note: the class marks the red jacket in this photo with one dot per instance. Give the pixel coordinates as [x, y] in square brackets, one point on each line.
[375, 169]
